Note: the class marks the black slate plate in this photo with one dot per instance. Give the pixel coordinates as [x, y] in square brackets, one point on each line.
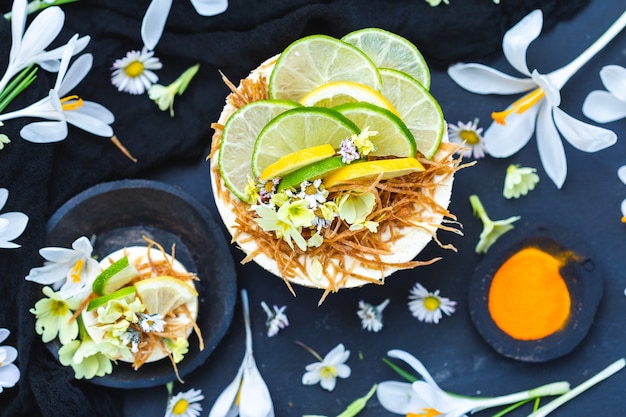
[581, 275]
[118, 214]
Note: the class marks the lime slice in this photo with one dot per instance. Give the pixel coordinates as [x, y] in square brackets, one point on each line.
[296, 129]
[340, 92]
[238, 138]
[319, 59]
[296, 160]
[126, 292]
[114, 277]
[162, 294]
[389, 50]
[393, 137]
[311, 172]
[389, 168]
[417, 108]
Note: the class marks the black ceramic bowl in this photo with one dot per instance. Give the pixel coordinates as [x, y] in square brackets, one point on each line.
[118, 214]
[580, 273]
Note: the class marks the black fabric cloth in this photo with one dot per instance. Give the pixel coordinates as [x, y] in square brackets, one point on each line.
[41, 177]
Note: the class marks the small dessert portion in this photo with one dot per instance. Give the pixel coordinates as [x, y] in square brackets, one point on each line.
[330, 163]
[144, 305]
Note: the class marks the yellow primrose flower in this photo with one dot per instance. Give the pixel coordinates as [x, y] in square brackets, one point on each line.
[54, 317]
[362, 142]
[355, 207]
[86, 358]
[271, 221]
[164, 96]
[118, 309]
[178, 348]
[519, 181]
[491, 230]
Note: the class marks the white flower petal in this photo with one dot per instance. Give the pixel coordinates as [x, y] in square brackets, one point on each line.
[623, 208]
[603, 107]
[10, 354]
[9, 375]
[311, 377]
[209, 7]
[414, 363]
[614, 79]
[50, 60]
[45, 132]
[226, 400]
[328, 383]
[502, 141]
[83, 118]
[343, 370]
[17, 225]
[4, 196]
[481, 79]
[583, 136]
[4, 333]
[18, 23]
[75, 74]
[517, 39]
[153, 22]
[621, 174]
[255, 397]
[550, 147]
[398, 397]
[338, 354]
[44, 28]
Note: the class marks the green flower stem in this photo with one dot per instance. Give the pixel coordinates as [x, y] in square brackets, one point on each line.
[512, 407]
[310, 350]
[359, 404]
[17, 85]
[37, 5]
[400, 371]
[479, 209]
[604, 374]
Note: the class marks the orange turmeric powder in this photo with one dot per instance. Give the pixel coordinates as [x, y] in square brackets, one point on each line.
[528, 297]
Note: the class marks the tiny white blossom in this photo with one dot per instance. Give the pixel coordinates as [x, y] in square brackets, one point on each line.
[276, 320]
[9, 373]
[327, 370]
[371, 316]
[185, 404]
[429, 306]
[12, 224]
[151, 322]
[470, 135]
[134, 73]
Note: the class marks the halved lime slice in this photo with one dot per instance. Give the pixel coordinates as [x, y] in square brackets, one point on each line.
[238, 137]
[296, 129]
[126, 292]
[387, 168]
[393, 137]
[418, 109]
[114, 277]
[311, 172]
[389, 50]
[319, 59]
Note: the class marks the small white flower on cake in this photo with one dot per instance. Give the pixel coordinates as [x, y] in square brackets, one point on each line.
[328, 369]
[429, 306]
[134, 74]
[470, 135]
[185, 404]
[276, 319]
[371, 316]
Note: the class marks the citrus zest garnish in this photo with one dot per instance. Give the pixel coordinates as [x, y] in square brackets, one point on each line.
[519, 106]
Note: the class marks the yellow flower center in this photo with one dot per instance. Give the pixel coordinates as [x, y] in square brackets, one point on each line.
[58, 308]
[134, 69]
[77, 270]
[71, 102]
[519, 106]
[426, 412]
[180, 407]
[431, 303]
[469, 136]
[623, 219]
[328, 372]
[310, 189]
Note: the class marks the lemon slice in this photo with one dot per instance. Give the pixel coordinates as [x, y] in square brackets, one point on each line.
[127, 292]
[319, 59]
[389, 50]
[340, 92]
[162, 294]
[238, 138]
[120, 273]
[393, 137]
[311, 172]
[389, 168]
[296, 160]
[417, 108]
[296, 129]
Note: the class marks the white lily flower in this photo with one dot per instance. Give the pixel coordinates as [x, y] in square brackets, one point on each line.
[156, 15]
[73, 270]
[247, 395]
[12, 224]
[9, 373]
[607, 106]
[86, 115]
[428, 399]
[28, 46]
[538, 110]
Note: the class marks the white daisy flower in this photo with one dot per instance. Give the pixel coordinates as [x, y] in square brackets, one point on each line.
[12, 224]
[151, 322]
[429, 306]
[470, 135]
[185, 404]
[134, 73]
[312, 193]
[608, 105]
[328, 369]
[371, 316]
[276, 320]
[9, 373]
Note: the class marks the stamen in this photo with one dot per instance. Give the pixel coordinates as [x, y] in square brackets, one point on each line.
[519, 106]
[71, 102]
[427, 412]
[623, 219]
[77, 270]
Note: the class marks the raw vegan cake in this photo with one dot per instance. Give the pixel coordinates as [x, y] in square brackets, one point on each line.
[330, 162]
